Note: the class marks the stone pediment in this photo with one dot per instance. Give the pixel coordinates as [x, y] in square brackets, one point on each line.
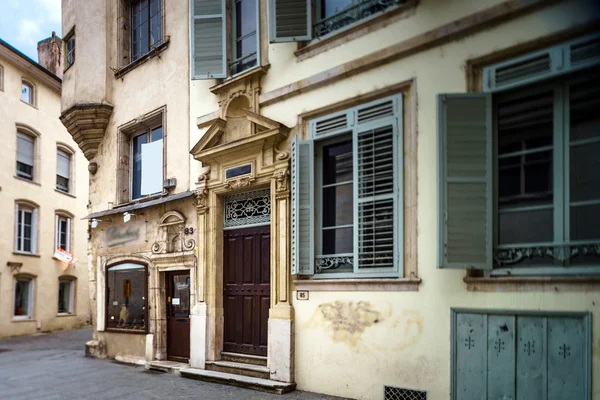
[238, 133]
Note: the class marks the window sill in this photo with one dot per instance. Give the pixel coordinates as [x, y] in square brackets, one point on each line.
[344, 35]
[22, 319]
[128, 331]
[66, 315]
[533, 284]
[65, 193]
[119, 73]
[139, 201]
[226, 82]
[22, 253]
[29, 104]
[359, 284]
[27, 180]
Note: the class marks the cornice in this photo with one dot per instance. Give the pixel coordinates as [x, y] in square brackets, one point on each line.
[87, 124]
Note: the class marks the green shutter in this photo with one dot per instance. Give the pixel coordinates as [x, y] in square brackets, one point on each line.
[303, 214]
[290, 20]
[208, 39]
[464, 181]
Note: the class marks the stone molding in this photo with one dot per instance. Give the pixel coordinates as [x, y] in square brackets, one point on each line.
[87, 125]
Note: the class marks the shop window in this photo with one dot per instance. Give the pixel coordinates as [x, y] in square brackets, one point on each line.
[126, 297]
[66, 296]
[23, 298]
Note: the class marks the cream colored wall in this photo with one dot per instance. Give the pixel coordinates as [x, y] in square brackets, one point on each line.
[44, 119]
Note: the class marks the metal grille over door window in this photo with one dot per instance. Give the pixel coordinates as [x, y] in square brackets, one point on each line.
[248, 209]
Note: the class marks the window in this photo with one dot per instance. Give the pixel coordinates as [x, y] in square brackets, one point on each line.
[1, 77]
[520, 175]
[210, 33]
[23, 300]
[63, 233]
[146, 26]
[355, 178]
[291, 21]
[25, 228]
[147, 154]
[66, 295]
[126, 294]
[25, 156]
[70, 53]
[63, 170]
[28, 93]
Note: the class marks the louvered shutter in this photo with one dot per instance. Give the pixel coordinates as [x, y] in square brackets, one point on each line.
[25, 149]
[465, 181]
[303, 254]
[208, 39]
[377, 175]
[290, 20]
[63, 164]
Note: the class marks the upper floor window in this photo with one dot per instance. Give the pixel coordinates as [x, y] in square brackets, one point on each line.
[349, 176]
[1, 78]
[293, 20]
[28, 93]
[70, 53]
[520, 175]
[63, 170]
[25, 156]
[146, 26]
[210, 27]
[25, 228]
[63, 232]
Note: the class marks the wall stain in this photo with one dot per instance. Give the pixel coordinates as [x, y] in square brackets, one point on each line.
[345, 322]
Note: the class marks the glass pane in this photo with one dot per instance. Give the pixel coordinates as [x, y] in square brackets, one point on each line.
[26, 93]
[24, 171]
[245, 13]
[126, 293]
[136, 184]
[181, 291]
[338, 205]
[21, 297]
[337, 163]
[526, 226]
[64, 297]
[585, 172]
[62, 183]
[330, 7]
[157, 134]
[338, 241]
[154, 7]
[246, 46]
[584, 105]
[585, 222]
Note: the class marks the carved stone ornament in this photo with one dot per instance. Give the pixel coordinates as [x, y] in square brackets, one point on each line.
[201, 197]
[93, 167]
[281, 179]
[15, 267]
[171, 238]
[239, 183]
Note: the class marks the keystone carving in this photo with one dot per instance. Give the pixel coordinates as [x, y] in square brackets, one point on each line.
[239, 183]
[281, 179]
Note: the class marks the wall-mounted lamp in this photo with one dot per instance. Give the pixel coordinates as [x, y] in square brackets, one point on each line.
[127, 216]
[95, 222]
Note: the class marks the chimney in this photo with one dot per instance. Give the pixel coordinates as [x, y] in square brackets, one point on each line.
[50, 54]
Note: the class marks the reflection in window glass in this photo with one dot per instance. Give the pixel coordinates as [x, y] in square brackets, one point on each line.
[126, 297]
[64, 297]
[22, 297]
[26, 93]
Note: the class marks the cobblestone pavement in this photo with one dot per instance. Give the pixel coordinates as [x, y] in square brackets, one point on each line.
[53, 366]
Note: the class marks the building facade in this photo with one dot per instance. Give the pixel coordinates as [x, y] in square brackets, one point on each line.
[44, 194]
[384, 198]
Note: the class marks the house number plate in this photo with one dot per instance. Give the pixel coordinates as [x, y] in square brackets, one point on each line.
[302, 295]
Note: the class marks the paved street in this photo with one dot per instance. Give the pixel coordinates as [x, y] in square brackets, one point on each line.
[53, 366]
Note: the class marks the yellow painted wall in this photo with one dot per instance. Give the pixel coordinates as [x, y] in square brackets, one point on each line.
[44, 119]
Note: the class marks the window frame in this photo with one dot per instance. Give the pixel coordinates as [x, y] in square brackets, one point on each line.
[71, 281]
[559, 87]
[1, 78]
[61, 148]
[232, 55]
[32, 92]
[33, 139]
[106, 295]
[70, 53]
[20, 209]
[59, 218]
[30, 300]
[148, 132]
[151, 46]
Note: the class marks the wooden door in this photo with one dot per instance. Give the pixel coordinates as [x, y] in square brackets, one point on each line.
[246, 290]
[178, 315]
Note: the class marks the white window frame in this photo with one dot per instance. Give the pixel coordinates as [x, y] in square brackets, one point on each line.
[147, 131]
[31, 139]
[62, 218]
[62, 151]
[71, 307]
[32, 92]
[21, 208]
[31, 288]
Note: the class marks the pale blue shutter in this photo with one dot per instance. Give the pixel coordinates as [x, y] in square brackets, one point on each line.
[470, 350]
[464, 181]
[208, 35]
[303, 214]
[290, 20]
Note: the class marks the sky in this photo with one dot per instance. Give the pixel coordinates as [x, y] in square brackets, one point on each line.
[23, 23]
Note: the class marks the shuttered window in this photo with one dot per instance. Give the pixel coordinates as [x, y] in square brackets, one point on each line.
[520, 355]
[290, 20]
[63, 170]
[354, 158]
[25, 156]
[208, 39]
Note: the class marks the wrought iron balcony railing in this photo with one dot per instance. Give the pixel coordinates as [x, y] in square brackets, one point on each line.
[505, 257]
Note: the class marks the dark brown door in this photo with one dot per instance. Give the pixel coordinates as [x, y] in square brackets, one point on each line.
[246, 290]
[178, 315]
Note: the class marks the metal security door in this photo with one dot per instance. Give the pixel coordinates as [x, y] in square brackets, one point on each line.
[246, 289]
[178, 315]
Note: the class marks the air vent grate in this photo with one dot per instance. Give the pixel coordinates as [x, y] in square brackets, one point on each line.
[374, 112]
[523, 70]
[395, 393]
[582, 52]
[331, 124]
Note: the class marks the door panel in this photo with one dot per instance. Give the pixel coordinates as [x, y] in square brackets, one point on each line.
[178, 315]
[246, 290]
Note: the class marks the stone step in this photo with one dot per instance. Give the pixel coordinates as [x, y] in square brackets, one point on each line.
[170, 367]
[244, 358]
[237, 368]
[248, 382]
